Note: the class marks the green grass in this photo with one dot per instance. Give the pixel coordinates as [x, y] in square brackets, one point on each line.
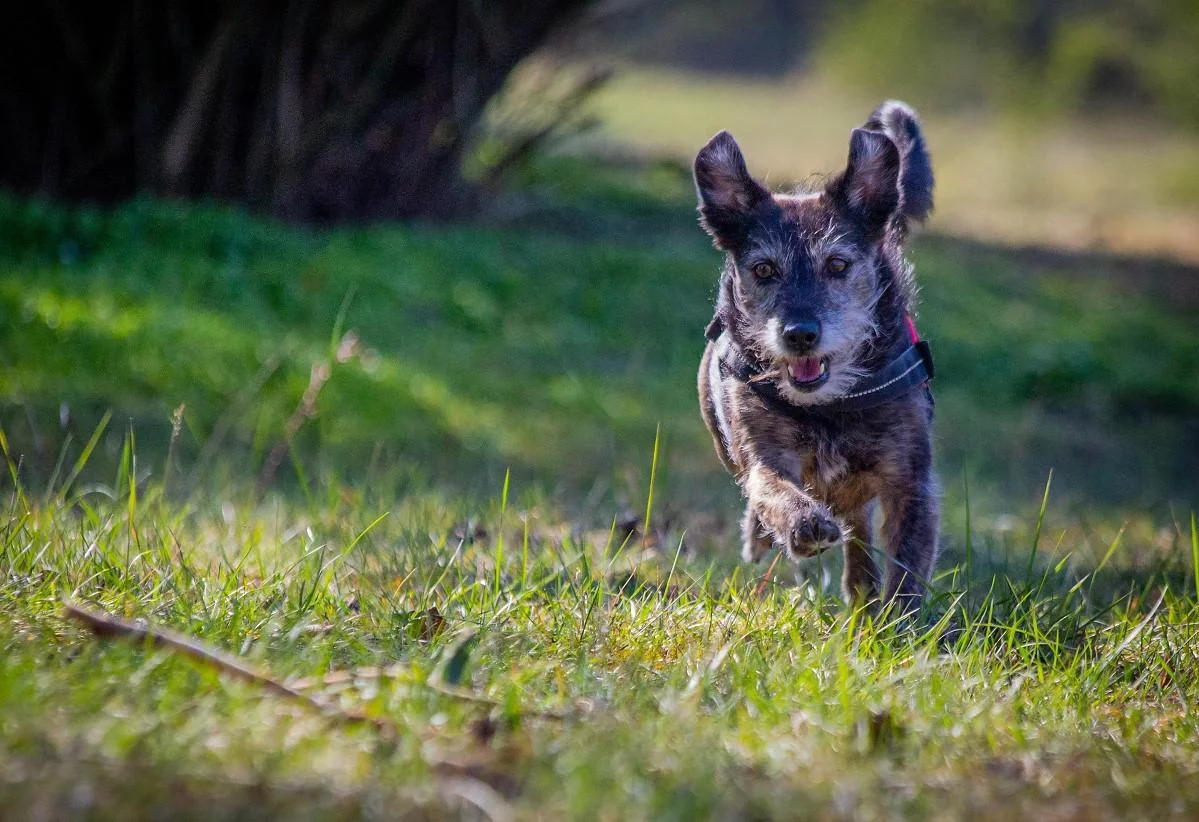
[448, 515]
[552, 343]
[690, 692]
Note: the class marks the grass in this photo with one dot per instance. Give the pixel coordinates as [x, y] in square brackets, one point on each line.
[506, 491]
[574, 322]
[689, 691]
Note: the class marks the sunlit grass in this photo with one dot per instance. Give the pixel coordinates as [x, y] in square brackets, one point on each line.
[508, 487]
[688, 690]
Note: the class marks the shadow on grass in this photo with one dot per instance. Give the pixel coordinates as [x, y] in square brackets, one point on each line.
[553, 342]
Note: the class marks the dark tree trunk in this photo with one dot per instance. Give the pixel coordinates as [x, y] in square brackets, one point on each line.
[309, 109]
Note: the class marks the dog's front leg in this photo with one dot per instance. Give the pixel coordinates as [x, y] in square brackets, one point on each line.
[910, 527]
[797, 521]
[860, 580]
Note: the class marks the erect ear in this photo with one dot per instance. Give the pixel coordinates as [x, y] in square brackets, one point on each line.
[868, 190]
[727, 194]
[899, 122]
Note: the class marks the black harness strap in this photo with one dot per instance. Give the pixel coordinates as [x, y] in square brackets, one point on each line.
[911, 368]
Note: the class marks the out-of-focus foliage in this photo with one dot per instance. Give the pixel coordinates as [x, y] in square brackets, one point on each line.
[749, 37]
[1038, 56]
[310, 110]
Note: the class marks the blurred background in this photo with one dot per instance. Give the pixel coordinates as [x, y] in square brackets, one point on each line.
[417, 244]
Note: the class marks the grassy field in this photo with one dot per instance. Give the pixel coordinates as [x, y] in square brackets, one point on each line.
[501, 533]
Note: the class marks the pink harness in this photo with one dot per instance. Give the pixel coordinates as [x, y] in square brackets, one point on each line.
[912, 335]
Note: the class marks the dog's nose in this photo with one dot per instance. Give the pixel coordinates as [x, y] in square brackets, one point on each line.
[802, 335]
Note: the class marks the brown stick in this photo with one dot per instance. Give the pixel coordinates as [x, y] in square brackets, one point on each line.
[107, 626]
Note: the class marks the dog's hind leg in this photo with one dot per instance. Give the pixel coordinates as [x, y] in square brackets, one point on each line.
[859, 583]
[756, 541]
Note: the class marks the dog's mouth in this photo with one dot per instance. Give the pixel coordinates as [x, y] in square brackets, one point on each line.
[808, 373]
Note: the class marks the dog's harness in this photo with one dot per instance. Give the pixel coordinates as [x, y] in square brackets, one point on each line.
[910, 368]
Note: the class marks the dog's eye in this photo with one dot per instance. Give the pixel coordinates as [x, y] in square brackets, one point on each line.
[764, 271]
[836, 265]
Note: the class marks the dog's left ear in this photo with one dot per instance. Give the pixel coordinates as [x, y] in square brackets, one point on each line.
[868, 189]
[728, 196]
[899, 122]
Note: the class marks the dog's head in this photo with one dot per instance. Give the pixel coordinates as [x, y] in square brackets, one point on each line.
[815, 281]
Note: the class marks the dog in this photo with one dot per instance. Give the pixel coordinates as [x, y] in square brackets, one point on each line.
[814, 383]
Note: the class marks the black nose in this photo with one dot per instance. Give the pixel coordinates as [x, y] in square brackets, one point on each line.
[802, 335]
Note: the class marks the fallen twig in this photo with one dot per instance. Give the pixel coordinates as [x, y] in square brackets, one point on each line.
[107, 626]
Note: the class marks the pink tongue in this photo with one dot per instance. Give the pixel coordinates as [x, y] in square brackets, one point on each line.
[805, 370]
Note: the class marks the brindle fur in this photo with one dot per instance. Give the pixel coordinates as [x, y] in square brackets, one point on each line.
[812, 483]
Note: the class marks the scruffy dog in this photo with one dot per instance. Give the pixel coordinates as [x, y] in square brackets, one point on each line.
[814, 383]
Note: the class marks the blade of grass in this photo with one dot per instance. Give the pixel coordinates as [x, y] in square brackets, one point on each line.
[649, 498]
[85, 455]
[969, 543]
[14, 472]
[499, 538]
[1195, 555]
[1036, 537]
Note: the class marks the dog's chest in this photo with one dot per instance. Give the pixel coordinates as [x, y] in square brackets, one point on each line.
[831, 458]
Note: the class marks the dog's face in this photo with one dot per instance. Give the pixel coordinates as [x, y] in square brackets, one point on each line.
[803, 276]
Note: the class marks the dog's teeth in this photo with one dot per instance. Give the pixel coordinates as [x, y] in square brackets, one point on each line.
[823, 367]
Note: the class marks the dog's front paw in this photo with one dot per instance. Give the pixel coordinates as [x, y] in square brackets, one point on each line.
[812, 533]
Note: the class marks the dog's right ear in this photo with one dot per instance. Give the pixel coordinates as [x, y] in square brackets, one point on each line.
[728, 196]
[868, 189]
